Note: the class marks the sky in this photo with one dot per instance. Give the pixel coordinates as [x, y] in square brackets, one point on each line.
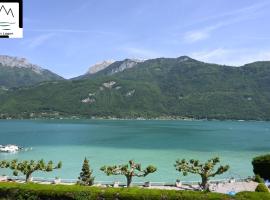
[67, 37]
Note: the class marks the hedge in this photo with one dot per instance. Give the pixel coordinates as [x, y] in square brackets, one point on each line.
[16, 191]
[261, 188]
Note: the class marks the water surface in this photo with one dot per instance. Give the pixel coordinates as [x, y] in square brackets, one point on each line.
[149, 142]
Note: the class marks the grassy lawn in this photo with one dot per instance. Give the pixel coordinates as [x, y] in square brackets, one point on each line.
[10, 191]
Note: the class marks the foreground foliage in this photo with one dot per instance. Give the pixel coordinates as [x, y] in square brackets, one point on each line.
[14, 191]
[261, 188]
[27, 168]
[205, 170]
[261, 166]
[129, 170]
[258, 179]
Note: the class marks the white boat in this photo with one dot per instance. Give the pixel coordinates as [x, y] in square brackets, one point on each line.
[10, 148]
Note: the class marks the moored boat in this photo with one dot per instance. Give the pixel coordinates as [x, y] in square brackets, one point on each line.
[10, 148]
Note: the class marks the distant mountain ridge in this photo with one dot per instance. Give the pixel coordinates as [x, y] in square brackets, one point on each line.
[99, 66]
[15, 62]
[109, 68]
[157, 88]
[19, 72]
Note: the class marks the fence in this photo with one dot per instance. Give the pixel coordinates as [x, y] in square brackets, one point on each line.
[73, 181]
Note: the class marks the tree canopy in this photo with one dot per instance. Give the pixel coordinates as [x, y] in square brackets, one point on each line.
[27, 168]
[129, 170]
[205, 170]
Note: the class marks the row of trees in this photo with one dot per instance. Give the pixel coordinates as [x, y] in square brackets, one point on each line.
[132, 169]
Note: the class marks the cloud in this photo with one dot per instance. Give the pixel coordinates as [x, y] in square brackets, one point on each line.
[197, 35]
[232, 17]
[38, 40]
[248, 10]
[141, 52]
[259, 37]
[64, 31]
[234, 57]
[204, 33]
[211, 54]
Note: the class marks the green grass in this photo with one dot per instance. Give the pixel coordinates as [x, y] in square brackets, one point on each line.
[10, 191]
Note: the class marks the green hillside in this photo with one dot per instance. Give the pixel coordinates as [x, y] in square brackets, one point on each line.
[163, 87]
[17, 77]
[18, 72]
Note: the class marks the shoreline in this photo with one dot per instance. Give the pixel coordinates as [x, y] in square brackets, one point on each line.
[162, 118]
[136, 119]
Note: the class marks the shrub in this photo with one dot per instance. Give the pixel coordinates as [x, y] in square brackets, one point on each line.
[14, 191]
[261, 166]
[261, 188]
[258, 179]
[86, 177]
[252, 196]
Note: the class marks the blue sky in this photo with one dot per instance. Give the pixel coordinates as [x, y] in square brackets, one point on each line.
[69, 36]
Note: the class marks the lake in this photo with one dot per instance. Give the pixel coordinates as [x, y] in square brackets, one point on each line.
[108, 142]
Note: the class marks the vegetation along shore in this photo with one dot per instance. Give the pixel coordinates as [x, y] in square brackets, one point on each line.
[206, 170]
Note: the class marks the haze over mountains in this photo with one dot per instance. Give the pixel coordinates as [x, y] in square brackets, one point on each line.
[162, 87]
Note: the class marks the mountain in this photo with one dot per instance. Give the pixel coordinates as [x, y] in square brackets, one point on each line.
[18, 72]
[98, 67]
[109, 68]
[94, 69]
[162, 87]
[119, 66]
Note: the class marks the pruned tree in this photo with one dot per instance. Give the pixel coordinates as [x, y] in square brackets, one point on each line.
[27, 168]
[205, 170]
[86, 177]
[129, 170]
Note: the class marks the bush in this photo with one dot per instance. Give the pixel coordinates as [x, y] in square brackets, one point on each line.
[258, 179]
[261, 188]
[252, 196]
[14, 191]
[261, 166]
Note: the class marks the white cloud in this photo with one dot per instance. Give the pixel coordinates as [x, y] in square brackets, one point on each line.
[38, 40]
[235, 57]
[197, 35]
[141, 52]
[244, 11]
[64, 31]
[232, 17]
[194, 36]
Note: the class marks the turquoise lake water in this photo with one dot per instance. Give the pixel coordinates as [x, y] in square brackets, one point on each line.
[108, 142]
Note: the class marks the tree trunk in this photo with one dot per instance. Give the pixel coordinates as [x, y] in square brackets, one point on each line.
[205, 185]
[129, 180]
[28, 177]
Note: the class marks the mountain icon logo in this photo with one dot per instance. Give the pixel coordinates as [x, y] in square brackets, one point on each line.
[7, 11]
[11, 19]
